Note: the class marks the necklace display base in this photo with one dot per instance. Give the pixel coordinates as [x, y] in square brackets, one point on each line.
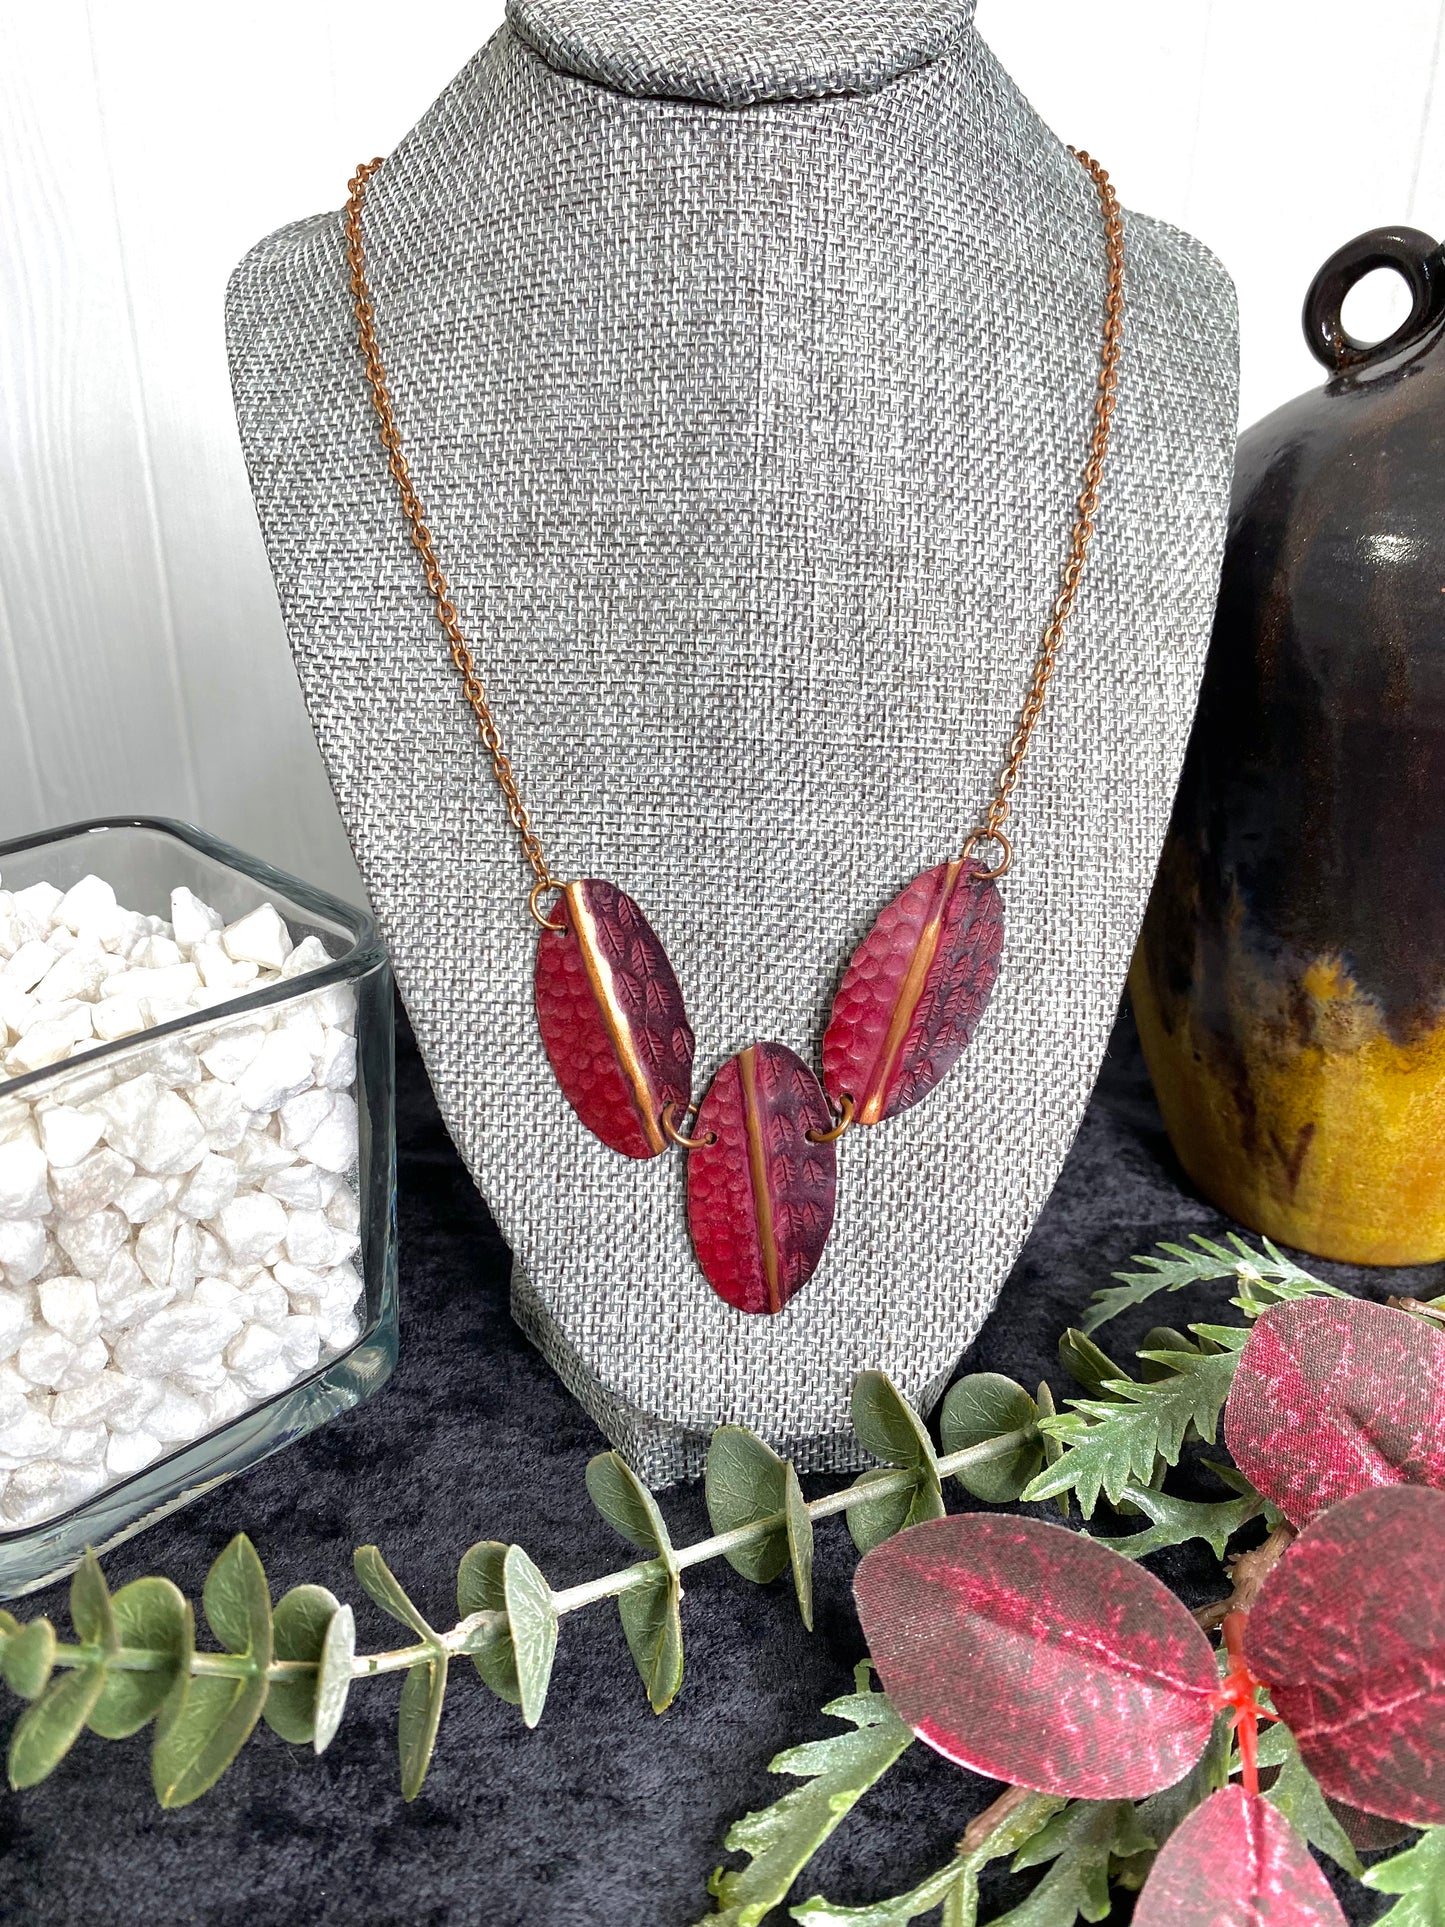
[745, 362]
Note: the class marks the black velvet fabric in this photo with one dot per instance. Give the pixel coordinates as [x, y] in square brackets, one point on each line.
[606, 1815]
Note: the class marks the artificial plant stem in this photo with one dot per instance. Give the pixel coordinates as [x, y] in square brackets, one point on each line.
[130, 1659]
[902, 1480]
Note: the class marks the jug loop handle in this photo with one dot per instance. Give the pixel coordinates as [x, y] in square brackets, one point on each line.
[1413, 255]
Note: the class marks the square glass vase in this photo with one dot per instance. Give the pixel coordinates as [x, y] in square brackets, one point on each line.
[144, 860]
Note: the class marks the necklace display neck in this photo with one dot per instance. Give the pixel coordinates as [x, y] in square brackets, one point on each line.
[750, 440]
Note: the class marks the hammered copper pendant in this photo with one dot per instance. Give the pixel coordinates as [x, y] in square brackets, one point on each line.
[760, 1190]
[612, 1018]
[914, 991]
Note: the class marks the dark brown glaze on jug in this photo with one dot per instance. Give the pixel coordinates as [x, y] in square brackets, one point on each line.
[1290, 979]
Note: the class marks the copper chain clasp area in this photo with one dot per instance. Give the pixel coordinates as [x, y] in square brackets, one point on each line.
[845, 1114]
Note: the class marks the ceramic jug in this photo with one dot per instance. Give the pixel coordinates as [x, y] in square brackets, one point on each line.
[1289, 982]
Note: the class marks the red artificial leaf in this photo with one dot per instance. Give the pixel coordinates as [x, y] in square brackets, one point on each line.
[1333, 1396]
[914, 991]
[760, 1194]
[1035, 1655]
[1236, 1859]
[1349, 1631]
[612, 1018]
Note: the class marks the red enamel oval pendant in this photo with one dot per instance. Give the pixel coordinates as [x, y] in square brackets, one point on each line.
[612, 1017]
[914, 991]
[760, 1195]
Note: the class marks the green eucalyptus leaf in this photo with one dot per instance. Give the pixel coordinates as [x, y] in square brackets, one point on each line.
[207, 1719]
[46, 1730]
[652, 1620]
[151, 1616]
[90, 1606]
[422, 1693]
[888, 1427]
[878, 1519]
[985, 1409]
[9, 1624]
[746, 1483]
[627, 1505]
[238, 1602]
[203, 1725]
[28, 1657]
[533, 1619]
[799, 1528]
[382, 1585]
[303, 1618]
[481, 1589]
[333, 1675]
[1088, 1364]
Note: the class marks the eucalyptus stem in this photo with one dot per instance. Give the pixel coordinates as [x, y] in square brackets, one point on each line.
[400, 1659]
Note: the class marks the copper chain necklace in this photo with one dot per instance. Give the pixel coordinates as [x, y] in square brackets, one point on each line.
[762, 1159]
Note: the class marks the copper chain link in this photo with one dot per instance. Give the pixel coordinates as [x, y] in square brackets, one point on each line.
[472, 686]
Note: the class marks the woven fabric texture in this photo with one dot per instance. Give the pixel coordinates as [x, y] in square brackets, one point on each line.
[751, 440]
[735, 55]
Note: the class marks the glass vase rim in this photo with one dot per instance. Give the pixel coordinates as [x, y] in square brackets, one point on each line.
[364, 954]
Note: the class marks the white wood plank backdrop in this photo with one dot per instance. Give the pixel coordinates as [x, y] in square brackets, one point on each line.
[144, 144]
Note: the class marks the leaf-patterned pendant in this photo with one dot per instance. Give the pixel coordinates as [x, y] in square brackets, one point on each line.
[612, 1018]
[914, 991]
[760, 1194]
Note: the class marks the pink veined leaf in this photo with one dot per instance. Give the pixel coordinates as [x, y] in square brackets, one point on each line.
[1035, 1655]
[1236, 1860]
[1349, 1631]
[1333, 1396]
[612, 1017]
[760, 1194]
[914, 991]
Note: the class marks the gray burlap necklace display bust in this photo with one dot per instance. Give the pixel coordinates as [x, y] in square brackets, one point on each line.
[745, 360]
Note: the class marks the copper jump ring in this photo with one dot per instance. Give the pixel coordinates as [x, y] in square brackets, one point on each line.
[539, 889]
[670, 1129]
[845, 1123]
[979, 837]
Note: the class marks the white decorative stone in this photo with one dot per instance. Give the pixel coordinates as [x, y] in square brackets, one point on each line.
[157, 954]
[71, 1307]
[143, 1198]
[66, 1134]
[312, 1240]
[14, 1318]
[259, 1154]
[22, 1252]
[86, 904]
[260, 937]
[38, 901]
[282, 1068]
[180, 1339]
[44, 1358]
[224, 1117]
[336, 1061]
[30, 963]
[24, 1192]
[301, 1186]
[192, 920]
[209, 1189]
[253, 1226]
[119, 1016]
[91, 1241]
[138, 1218]
[131, 1452]
[95, 1182]
[233, 1050]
